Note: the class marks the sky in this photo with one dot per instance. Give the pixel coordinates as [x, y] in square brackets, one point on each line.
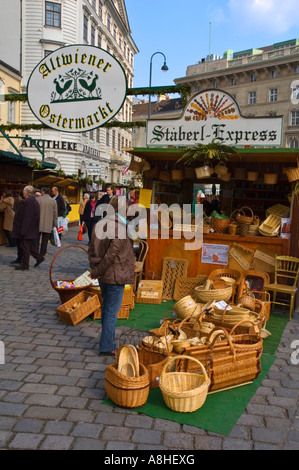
[186, 30]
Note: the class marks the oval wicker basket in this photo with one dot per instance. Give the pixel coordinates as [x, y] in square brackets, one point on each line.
[66, 294]
[203, 172]
[244, 216]
[220, 225]
[184, 392]
[221, 169]
[293, 173]
[248, 301]
[214, 294]
[127, 354]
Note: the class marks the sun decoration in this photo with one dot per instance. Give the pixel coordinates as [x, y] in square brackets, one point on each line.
[219, 108]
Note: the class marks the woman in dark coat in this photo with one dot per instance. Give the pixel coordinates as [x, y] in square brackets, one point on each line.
[89, 214]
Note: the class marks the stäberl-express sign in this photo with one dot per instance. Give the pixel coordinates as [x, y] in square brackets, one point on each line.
[77, 88]
[214, 114]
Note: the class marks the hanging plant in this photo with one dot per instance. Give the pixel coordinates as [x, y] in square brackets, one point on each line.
[60, 173]
[206, 153]
[35, 164]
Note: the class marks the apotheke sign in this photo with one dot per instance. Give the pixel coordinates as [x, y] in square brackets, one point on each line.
[214, 114]
[77, 88]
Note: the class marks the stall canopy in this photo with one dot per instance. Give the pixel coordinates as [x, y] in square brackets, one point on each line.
[263, 155]
[19, 159]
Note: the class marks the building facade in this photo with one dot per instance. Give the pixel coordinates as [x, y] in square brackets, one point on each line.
[264, 82]
[44, 26]
[10, 111]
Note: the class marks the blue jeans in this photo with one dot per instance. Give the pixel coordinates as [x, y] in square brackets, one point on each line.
[112, 295]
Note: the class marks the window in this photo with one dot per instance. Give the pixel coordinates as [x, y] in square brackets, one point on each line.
[113, 139]
[120, 40]
[101, 10]
[294, 143]
[294, 118]
[214, 84]
[109, 22]
[295, 92]
[53, 14]
[11, 117]
[98, 136]
[273, 94]
[99, 40]
[296, 69]
[93, 36]
[233, 81]
[274, 74]
[107, 138]
[253, 77]
[85, 28]
[252, 97]
[114, 31]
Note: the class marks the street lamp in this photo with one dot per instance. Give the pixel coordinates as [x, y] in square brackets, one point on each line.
[164, 68]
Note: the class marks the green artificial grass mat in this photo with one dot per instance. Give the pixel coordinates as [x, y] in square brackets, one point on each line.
[220, 412]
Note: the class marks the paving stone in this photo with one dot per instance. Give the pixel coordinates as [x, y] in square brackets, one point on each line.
[28, 425]
[87, 430]
[89, 444]
[57, 443]
[26, 441]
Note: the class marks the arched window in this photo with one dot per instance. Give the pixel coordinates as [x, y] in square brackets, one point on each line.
[293, 143]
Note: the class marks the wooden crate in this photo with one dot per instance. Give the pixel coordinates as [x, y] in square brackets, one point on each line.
[149, 292]
[89, 303]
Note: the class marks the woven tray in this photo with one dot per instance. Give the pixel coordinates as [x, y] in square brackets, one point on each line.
[239, 257]
[264, 260]
[172, 269]
[184, 286]
[89, 303]
[271, 226]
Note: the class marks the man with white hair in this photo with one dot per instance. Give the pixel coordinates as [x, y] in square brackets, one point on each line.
[27, 229]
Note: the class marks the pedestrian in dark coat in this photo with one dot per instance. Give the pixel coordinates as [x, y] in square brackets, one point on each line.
[59, 201]
[27, 228]
[112, 262]
[89, 214]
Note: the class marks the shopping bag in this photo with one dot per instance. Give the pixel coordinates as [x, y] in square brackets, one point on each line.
[65, 224]
[56, 237]
[60, 224]
[80, 234]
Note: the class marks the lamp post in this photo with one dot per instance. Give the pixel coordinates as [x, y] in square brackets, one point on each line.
[164, 68]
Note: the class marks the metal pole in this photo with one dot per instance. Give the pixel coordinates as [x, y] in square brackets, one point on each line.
[150, 79]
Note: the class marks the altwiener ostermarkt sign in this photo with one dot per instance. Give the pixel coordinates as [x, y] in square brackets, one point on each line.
[214, 114]
[77, 88]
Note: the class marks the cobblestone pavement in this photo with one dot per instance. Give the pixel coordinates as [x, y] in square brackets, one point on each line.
[52, 382]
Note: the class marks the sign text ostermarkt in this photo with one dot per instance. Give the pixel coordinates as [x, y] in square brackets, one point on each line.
[213, 114]
[77, 88]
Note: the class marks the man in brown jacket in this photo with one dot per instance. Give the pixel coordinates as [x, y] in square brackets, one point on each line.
[112, 262]
[7, 206]
[48, 218]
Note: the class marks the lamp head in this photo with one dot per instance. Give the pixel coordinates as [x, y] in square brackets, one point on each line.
[164, 67]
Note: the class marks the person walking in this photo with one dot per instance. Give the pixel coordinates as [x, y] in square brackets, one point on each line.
[59, 201]
[112, 262]
[89, 214]
[82, 206]
[27, 228]
[18, 201]
[48, 218]
[7, 206]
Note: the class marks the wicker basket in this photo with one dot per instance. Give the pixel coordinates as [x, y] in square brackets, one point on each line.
[153, 361]
[244, 216]
[293, 173]
[248, 301]
[225, 177]
[252, 175]
[203, 295]
[270, 178]
[220, 225]
[136, 165]
[184, 392]
[203, 172]
[149, 292]
[127, 354]
[241, 342]
[83, 305]
[66, 294]
[221, 169]
[184, 286]
[186, 307]
[124, 391]
[271, 226]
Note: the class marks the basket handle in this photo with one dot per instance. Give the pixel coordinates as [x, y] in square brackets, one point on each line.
[240, 322]
[62, 249]
[243, 208]
[174, 358]
[221, 331]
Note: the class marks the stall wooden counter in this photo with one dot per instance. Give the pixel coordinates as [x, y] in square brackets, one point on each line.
[160, 248]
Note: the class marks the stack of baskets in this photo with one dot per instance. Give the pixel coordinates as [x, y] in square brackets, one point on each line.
[244, 219]
[208, 293]
[122, 387]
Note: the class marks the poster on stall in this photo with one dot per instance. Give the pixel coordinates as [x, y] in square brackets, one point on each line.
[285, 228]
[214, 254]
[145, 198]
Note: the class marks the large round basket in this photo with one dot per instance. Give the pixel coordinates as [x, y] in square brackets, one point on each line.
[184, 392]
[66, 294]
[185, 307]
[214, 294]
[128, 392]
